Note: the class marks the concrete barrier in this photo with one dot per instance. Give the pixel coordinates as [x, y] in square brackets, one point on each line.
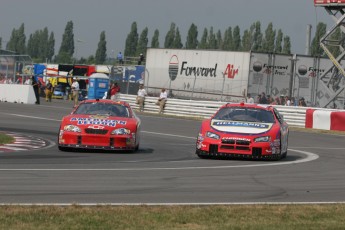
[17, 93]
[325, 119]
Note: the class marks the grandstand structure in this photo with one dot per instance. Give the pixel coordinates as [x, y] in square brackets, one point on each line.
[335, 84]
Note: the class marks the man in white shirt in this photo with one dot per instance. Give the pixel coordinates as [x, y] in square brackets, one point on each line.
[141, 97]
[250, 100]
[75, 91]
[162, 100]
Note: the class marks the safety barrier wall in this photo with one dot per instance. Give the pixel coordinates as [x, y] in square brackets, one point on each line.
[17, 93]
[325, 119]
[294, 116]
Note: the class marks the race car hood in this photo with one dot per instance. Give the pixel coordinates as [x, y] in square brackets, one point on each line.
[240, 126]
[94, 121]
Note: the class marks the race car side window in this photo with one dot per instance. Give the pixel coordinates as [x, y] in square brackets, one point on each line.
[278, 116]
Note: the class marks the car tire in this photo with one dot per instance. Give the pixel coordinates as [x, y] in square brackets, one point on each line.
[64, 149]
[282, 154]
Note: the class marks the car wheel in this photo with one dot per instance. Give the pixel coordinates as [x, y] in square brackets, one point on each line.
[62, 148]
[282, 154]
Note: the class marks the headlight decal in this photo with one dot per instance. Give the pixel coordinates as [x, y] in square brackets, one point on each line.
[72, 128]
[121, 131]
[263, 139]
[212, 135]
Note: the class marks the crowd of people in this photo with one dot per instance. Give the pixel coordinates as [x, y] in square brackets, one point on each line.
[280, 100]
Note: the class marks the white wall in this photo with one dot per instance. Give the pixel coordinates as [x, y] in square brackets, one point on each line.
[17, 93]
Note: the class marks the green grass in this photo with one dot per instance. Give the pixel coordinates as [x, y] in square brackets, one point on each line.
[265, 217]
[5, 139]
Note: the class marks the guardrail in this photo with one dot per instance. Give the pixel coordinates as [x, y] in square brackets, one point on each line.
[294, 115]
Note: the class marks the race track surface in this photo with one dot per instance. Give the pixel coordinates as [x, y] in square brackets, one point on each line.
[164, 170]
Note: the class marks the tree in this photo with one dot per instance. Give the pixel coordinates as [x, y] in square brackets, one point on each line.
[269, 40]
[246, 41]
[316, 49]
[192, 37]
[203, 41]
[132, 41]
[67, 44]
[219, 40]
[101, 53]
[143, 41]
[170, 36]
[51, 46]
[17, 41]
[287, 45]
[228, 39]
[155, 39]
[257, 37]
[279, 42]
[236, 39]
[212, 44]
[177, 41]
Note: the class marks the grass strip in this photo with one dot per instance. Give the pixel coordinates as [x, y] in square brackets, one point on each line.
[5, 139]
[265, 217]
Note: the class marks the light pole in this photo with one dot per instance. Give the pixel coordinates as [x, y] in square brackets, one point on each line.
[76, 48]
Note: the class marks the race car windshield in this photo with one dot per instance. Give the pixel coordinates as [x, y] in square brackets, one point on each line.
[99, 108]
[245, 114]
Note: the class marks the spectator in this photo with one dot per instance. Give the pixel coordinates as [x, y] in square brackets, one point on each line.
[141, 97]
[301, 102]
[162, 100]
[250, 100]
[36, 86]
[28, 81]
[269, 99]
[263, 99]
[258, 99]
[115, 92]
[287, 101]
[141, 59]
[49, 91]
[75, 92]
[120, 58]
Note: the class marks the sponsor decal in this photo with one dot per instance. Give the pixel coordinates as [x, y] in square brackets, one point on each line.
[173, 67]
[235, 138]
[96, 121]
[230, 72]
[198, 71]
[96, 127]
[240, 124]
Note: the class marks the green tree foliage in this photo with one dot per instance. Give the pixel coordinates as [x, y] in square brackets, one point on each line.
[228, 43]
[67, 44]
[17, 40]
[236, 39]
[170, 36]
[203, 41]
[316, 49]
[101, 53]
[192, 37]
[287, 45]
[219, 40]
[269, 40]
[143, 41]
[279, 42]
[155, 39]
[212, 43]
[177, 41]
[51, 46]
[132, 41]
[246, 41]
[256, 37]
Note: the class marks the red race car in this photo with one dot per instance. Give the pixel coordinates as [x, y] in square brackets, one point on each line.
[244, 131]
[100, 124]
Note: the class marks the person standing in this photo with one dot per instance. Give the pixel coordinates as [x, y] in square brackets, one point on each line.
[141, 97]
[250, 99]
[36, 86]
[75, 91]
[162, 100]
[115, 92]
[120, 58]
[49, 91]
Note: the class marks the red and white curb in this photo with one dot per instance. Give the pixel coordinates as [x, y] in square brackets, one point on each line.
[23, 143]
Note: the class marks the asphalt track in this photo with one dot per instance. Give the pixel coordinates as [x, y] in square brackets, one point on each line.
[165, 170]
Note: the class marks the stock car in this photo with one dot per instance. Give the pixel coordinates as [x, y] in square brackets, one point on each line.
[100, 124]
[241, 130]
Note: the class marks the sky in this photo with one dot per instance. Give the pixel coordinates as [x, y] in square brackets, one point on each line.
[91, 17]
